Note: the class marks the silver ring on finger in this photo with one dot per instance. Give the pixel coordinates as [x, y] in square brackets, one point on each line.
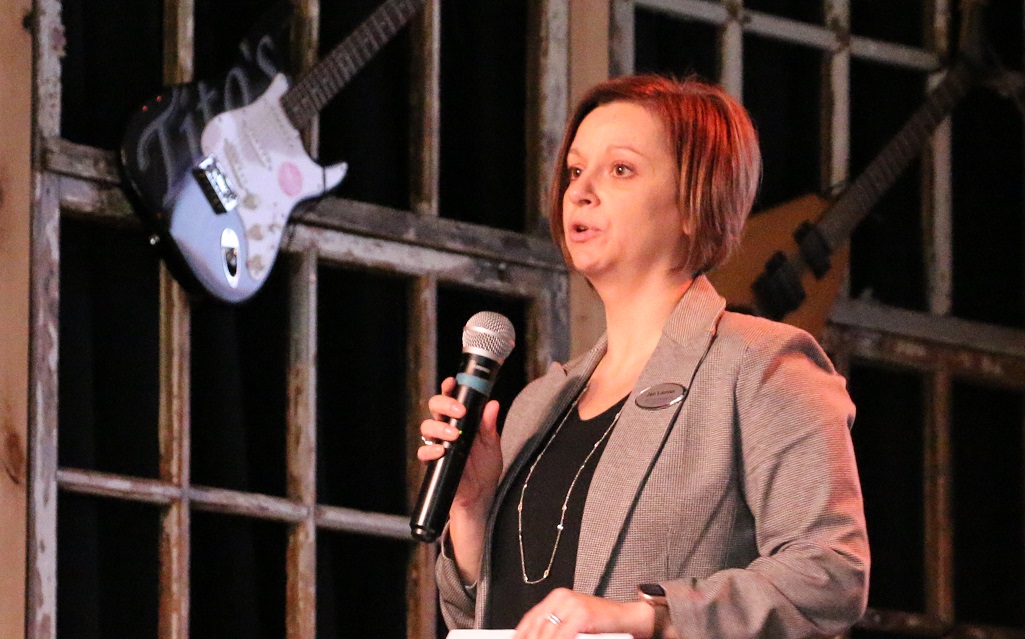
[554, 619]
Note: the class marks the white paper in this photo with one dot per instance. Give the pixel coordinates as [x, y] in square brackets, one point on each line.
[507, 634]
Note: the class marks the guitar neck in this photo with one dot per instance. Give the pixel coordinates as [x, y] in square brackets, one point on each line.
[839, 221]
[323, 82]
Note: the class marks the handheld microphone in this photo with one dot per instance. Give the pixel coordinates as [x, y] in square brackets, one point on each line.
[488, 338]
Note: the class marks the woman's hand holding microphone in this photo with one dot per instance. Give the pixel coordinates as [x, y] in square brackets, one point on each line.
[469, 512]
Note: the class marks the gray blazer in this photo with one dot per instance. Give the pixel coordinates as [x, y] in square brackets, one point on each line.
[743, 501]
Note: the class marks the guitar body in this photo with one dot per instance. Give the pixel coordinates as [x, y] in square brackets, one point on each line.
[227, 215]
[771, 231]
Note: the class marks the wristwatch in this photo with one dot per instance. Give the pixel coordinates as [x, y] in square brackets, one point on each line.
[655, 596]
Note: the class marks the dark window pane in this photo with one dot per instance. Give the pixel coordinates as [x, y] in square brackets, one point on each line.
[221, 25]
[781, 91]
[367, 124]
[112, 64]
[483, 125]
[989, 505]
[888, 442]
[674, 47]
[237, 574]
[239, 364]
[361, 585]
[794, 9]
[107, 568]
[898, 21]
[1002, 30]
[109, 361]
[455, 307]
[361, 390]
[886, 249]
[989, 218]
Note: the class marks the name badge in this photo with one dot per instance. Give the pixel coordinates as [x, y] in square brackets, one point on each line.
[661, 396]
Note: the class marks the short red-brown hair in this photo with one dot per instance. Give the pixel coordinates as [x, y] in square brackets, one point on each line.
[716, 149]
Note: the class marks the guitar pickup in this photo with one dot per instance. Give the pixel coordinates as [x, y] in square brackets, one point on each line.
[216, 185]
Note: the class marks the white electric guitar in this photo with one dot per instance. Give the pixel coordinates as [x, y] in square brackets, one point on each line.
[222, 219]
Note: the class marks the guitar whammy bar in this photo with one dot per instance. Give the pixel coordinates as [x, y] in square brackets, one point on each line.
[229, 168]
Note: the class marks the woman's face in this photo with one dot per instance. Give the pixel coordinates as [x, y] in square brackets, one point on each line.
[620, 214]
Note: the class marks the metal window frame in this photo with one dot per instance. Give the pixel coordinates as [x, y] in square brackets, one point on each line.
[75, 180]
[940, 348]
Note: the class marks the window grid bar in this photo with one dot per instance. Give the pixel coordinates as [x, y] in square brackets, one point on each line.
[174, 440]
[887, 349]
[301, 555]
[621, 37]
[795, 31]
[304, 42]
[89, 187]
[937, 480]
[920, 625]
[421, 384]
[899, 621]
[937, 190]
[41, 595]
[547, 103]
[731, 50]
[44, 322]
[174, 427]
[985, 340]
[425, 100]
[836, 101]
[548, 328]
[232, 502]
[396, 257]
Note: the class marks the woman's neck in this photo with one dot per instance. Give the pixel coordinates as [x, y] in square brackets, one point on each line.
[634, 317]
[636, 311]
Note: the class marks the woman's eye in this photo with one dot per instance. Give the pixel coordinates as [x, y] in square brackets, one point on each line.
[621, 170]
[573, 172]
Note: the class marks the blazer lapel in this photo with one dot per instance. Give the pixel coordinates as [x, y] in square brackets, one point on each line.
[637, 439]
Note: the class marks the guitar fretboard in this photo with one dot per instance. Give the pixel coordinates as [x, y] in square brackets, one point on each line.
[315, 89]
[839, 220]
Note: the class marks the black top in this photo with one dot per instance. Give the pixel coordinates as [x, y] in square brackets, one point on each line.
[511, 598]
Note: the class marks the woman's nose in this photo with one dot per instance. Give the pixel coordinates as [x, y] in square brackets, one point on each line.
[580, 191]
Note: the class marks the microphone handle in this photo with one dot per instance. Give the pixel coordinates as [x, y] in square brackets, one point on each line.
[443, 474]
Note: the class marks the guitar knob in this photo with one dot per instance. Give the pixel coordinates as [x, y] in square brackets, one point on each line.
[154, 239]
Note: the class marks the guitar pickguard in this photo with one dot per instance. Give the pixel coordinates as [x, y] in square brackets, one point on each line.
[264, 155]
[262, 172]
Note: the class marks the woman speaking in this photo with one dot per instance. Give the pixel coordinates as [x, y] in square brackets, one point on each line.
[693, 474]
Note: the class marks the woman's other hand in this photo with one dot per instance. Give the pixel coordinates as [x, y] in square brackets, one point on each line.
[564, 613]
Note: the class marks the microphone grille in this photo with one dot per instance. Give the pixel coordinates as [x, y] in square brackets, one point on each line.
[491, 334]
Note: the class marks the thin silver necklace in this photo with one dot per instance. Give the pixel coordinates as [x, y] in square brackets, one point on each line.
[565, 502]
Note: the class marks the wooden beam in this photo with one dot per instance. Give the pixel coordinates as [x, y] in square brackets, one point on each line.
[15, 257]
[301, 556]
[421, 384]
